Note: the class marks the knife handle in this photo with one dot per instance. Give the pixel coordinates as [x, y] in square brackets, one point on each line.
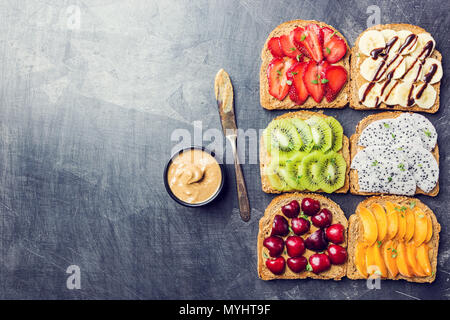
[244, 205]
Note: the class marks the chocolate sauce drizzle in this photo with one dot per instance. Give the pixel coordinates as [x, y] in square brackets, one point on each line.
[427, 78]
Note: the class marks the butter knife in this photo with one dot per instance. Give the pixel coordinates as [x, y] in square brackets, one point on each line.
[224, 96]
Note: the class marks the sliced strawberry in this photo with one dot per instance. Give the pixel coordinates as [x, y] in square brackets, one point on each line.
[288, 45]
[327, 34]
[276, 76]
[311, 39]
[335, 78]
[298, 92]
[274, 46]
[313, 79]
[334, 47]
[299, 34]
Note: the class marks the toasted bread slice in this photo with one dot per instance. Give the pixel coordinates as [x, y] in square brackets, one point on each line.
[356, 80]
[269, 102]
[336, 272]
[264, 157]
[355, 234]
[354, 148]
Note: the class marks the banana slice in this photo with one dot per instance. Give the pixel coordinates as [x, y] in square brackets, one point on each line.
[422, 39]
[427, 67]
[369, 68]
[370, 40]
[414, 69]
[372, 98]
[389, 34]
[428, 97]
[389, 94]
[398, 66]
[403, 91]
[402, 35]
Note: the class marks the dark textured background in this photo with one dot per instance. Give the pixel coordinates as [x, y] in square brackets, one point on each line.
[86, 118]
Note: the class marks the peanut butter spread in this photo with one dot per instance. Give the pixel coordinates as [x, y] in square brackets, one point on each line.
[194, 176]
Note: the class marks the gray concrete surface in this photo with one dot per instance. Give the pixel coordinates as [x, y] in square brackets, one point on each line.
[91, 92]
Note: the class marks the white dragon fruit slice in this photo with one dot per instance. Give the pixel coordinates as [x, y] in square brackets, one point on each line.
[423, 126]
[378, 133]
[377, 153]
[405, 133]
[402, 183]
[424, 168]
[385, 176]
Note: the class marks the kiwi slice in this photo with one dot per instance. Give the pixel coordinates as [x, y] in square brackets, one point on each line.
[332, 172]
[294, 171]
[312, 170]
[277, 174]
[321, 133]
[337, 132]
[282, 139]
[305, 134]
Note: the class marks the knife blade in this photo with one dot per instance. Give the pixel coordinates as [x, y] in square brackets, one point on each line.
[223, 90]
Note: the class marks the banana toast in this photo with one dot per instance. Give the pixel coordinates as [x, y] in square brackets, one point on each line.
[392, 67]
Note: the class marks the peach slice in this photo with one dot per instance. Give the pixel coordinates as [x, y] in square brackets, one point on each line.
[380, 217]
[423, 259]
[388, 250]
[410, 225]
[401, 223]
[360, 259]
[370, 261]
[412, 260]
[429, 229]
[374, 261]
[370, 226]
[400, 256]
[421, 227]
[392, 221]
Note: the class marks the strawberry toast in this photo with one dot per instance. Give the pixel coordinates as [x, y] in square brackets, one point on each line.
[305, 64]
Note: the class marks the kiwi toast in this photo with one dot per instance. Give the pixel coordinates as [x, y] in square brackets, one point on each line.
[326, 149]
[335, 272]
[355, 149]
[408, 252]
[395, 67]
[305, 64]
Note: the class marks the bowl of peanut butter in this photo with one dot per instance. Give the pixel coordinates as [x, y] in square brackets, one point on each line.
[193, 177]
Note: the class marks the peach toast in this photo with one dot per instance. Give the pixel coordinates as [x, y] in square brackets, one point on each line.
[393, 237]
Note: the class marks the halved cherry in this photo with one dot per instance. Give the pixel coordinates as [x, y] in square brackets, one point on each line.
[335, 78]
[295, 246]
[337, 254]
[319, 262]
[313, 79]
[311, 39]
[297, 264]
[298, 92]
[274, 47]
[280, 226]
[276, 76]
[276, 266]
[275, 245]
[334, 47]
